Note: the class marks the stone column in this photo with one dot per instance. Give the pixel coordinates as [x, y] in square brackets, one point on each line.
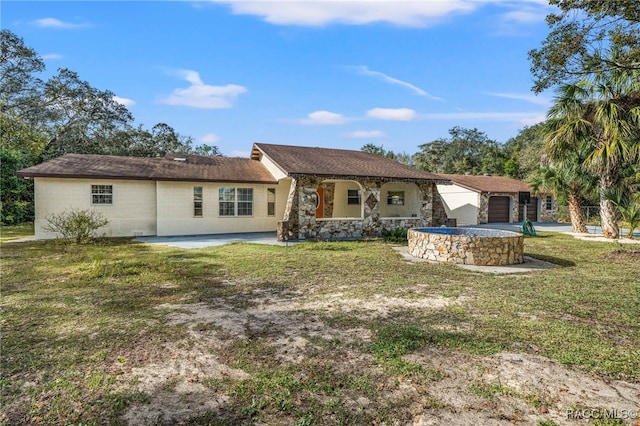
[515, 206]
[439, 213]
[426, 209]
[483, 210]
[288, 227]
[371, 207]
[307, 190]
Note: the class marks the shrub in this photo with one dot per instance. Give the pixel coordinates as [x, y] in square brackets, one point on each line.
[75, 225]
[395, 236]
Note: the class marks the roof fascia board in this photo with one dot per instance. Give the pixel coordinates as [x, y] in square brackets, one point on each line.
[264, 154]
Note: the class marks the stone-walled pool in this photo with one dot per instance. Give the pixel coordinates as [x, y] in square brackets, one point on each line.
[468, 246]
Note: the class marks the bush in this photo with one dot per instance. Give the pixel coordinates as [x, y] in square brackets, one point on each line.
[395, 236]
[16, 198]
[79, 226]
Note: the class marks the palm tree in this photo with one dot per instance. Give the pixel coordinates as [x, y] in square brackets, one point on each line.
[567, 182]
[602, 116]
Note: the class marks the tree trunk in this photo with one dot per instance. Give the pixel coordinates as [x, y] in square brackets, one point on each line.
[578, 220]
[608, 211]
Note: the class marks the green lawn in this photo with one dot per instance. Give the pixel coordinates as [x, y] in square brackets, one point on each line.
[81, 323]
[13, 232]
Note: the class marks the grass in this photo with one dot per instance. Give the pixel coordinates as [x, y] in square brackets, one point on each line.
[79, 320]
[14, 232]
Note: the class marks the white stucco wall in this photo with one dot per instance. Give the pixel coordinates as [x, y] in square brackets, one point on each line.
[133, 211]
[412, 200]
[175, 209]
[340, 206]
[460, 203]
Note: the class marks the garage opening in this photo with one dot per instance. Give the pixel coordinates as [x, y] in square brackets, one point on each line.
[499, 209]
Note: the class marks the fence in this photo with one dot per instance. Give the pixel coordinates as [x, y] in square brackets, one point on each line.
[591, 214]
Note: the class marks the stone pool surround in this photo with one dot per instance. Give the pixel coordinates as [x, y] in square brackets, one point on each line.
[467, 246]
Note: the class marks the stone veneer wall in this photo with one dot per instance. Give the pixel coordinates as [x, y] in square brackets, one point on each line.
[287, 228]
[483, 211]
[467, 249]
[439, 215]
[300, 216]
[548, 215]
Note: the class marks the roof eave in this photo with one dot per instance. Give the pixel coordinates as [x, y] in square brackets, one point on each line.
[363, 177]
[78, 176]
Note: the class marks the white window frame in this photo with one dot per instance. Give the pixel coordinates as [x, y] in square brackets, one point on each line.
[549, 203]
[230, 196]
[271, 203]
[198, 201]
[100, 193]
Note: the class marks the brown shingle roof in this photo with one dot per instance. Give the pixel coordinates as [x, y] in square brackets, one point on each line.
[339, 163]
[488, 183]
[193, 168]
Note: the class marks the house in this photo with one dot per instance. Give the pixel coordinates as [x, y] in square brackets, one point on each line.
[472, 200]
[297, 192]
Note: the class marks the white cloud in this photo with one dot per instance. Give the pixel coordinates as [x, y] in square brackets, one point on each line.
[395, 114]
[124, 101]
[417, 13]
[52, 56]
[384, 77]
[324, 118]
[57, 24]
[210, 138]
[200, 95]
[366, 134]
[527, 97]
[530, 120]
[525, 16]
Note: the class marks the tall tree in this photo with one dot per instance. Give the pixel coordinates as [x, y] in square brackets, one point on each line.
[568, 182]
[20, 87]
[525, 152]
[582, 32]
[19, 146]
[402, 157]
[465, 151]
[602, 116]
[79, 116]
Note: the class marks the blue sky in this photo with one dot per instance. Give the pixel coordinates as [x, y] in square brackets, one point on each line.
[330, 73]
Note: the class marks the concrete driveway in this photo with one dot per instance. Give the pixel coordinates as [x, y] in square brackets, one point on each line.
[541, 226]
[201, 241]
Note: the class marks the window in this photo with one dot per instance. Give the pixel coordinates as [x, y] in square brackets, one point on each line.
[395, 198]
[549, 203]
[235, 201]
[353, 196]
[197, 201]
[271, 201]
[102, 194]
[245, 201]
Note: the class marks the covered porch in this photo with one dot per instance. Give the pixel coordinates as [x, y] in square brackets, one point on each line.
[332, 208]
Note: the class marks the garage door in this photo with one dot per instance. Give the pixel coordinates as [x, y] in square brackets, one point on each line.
[498, 209]
[532, 210]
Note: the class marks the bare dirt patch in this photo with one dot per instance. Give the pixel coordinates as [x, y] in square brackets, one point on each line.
[503, 389]
[510, 388]
[623, 255]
